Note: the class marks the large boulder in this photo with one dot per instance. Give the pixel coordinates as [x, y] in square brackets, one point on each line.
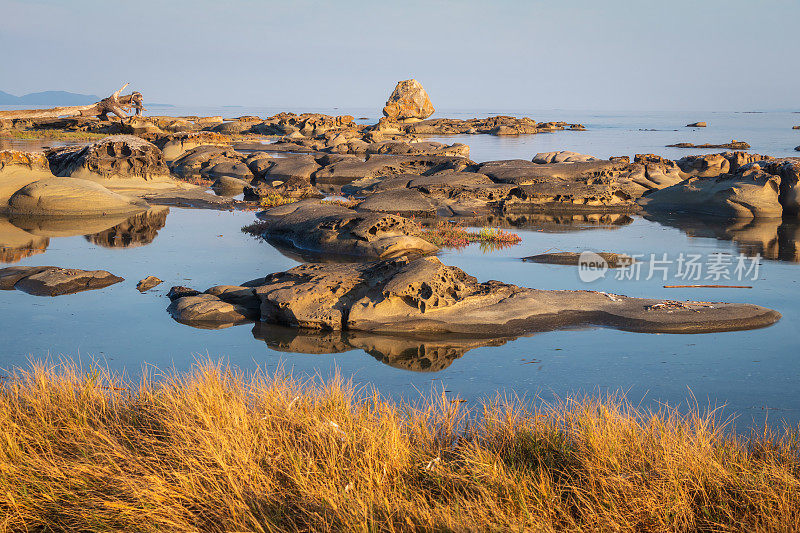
[424, 297]
[408, 103]
[69, 198]
[18, 169]
[331, 229]
[118, 162]
[54, 281]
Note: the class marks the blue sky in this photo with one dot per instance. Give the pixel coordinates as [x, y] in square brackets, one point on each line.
[501, 54]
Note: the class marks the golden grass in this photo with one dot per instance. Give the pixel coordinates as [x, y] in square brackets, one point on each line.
[274, 200]
[216, 450]
[51, 134]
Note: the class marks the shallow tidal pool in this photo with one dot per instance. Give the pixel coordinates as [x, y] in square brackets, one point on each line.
[753, 373]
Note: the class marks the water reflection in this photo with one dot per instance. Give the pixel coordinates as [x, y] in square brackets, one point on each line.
[24, 236]
[138, 230]
[550, 223]
[773, 238]
[407, 353]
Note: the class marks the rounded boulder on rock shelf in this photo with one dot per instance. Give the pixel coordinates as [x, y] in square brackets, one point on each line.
[70, 197]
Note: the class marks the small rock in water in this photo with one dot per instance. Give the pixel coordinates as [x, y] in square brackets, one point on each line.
[180, 291]
[148, 283]
[697, 125]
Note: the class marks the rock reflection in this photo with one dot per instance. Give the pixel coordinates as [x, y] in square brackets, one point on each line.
[772, 238]
[138, 230]
[550, 223]
[24, 236]
[17, 244]
[407, 353]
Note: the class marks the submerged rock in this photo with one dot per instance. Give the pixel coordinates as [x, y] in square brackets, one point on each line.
[423, 296]
[408, 102]
[612, 260]
[54, 281]
[332, 229]
[733, 145]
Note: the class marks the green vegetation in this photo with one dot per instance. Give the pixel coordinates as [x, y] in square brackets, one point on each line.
[216, 450]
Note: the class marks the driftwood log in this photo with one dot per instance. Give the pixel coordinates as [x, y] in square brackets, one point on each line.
[117, 104]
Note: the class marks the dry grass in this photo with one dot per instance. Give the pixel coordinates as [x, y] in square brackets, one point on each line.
[214, 450]
[51, 134]
[274, 200]
[349, 203]
[453, 235]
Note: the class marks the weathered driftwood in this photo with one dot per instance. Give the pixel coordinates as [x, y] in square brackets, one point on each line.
[116, 104]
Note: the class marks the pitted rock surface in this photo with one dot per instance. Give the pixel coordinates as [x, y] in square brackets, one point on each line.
[314, 226]
[424, 297]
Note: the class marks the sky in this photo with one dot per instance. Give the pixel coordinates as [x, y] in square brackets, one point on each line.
[725, 55]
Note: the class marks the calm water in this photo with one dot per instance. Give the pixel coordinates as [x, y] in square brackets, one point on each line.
[755, 373]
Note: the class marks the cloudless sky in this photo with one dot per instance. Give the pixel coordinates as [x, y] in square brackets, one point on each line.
[499, 54]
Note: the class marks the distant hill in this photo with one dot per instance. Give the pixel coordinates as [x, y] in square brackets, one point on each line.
[51, 98]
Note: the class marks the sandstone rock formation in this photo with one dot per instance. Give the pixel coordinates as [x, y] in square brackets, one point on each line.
[331, 229]
[18, 169]
[54, 281]
[564, 156]
[118, 161]
[69, 198]
[408, 102]
[425, 297]
[748, 193]
[697, 125]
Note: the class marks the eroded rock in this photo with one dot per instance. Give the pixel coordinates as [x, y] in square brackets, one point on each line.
[332, 229]
[408, 102]
[423, 296]
[118, 161]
